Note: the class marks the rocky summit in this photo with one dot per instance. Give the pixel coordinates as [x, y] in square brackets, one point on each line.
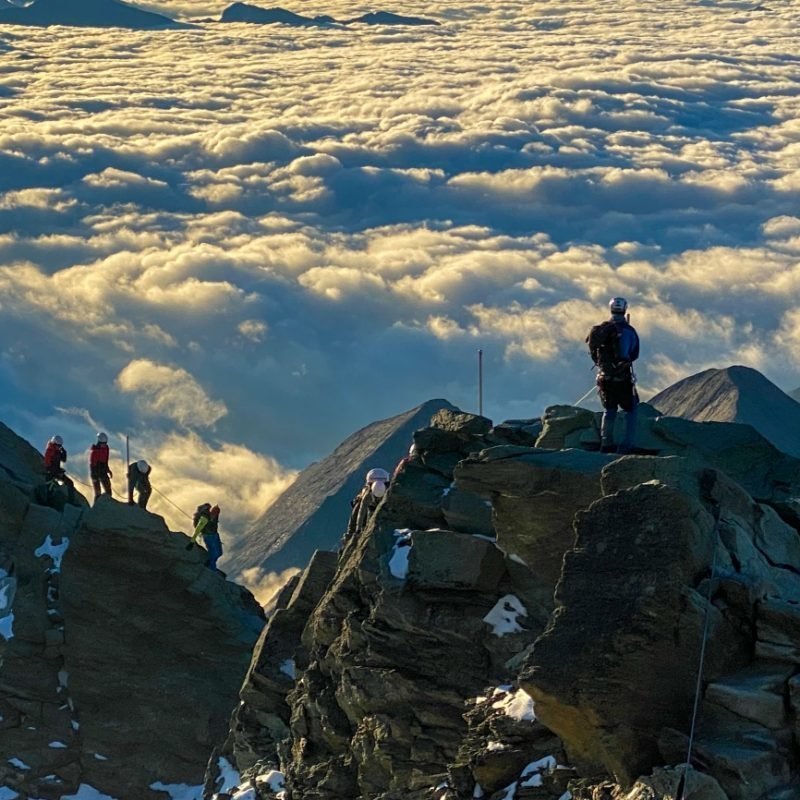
[121, 653]
[526, 618]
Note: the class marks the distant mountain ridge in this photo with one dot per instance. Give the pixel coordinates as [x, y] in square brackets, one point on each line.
[312, 513]
[736, 394]
[83, 13]
[246, 12]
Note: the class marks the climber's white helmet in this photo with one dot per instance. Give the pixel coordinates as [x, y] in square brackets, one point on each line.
[377, 474]
[618, 305]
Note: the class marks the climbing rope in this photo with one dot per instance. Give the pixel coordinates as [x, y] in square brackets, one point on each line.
[578, 402]
[681, 791]
[185, 513]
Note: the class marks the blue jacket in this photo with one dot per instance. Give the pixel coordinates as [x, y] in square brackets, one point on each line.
[628, 338]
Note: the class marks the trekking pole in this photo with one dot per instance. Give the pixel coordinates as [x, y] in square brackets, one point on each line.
[480, 383]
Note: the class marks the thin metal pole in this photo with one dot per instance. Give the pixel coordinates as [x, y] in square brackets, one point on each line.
[480, 382]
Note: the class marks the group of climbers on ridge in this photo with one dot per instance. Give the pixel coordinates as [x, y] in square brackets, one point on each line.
[55, 456]
[613, 346]
[206, 518]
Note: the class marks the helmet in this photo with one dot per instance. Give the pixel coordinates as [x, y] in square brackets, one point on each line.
[57, 440]
[378, 488]
[618, 305]
[102, 438]
[143, 466]
[377, 474]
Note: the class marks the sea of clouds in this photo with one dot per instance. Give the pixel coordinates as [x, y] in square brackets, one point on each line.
[239, 243]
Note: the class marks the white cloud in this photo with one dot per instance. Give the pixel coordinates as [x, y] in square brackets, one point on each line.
[170, 392]
[324, 228]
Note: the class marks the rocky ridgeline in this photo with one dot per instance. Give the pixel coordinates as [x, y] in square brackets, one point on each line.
[121, 654]
[524, 619]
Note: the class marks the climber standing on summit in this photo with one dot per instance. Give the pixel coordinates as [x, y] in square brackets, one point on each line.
[98, 466]
[614, 346]
[139, 479]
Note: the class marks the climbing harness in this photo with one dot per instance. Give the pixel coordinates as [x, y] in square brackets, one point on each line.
[680, 793]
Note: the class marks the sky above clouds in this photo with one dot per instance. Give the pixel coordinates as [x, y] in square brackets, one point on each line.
[240, 243]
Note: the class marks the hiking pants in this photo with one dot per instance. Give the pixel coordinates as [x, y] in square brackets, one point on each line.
[618, 394]
[144, 493]
[100, 478]
[214, 547]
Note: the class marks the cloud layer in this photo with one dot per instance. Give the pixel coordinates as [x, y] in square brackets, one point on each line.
[247, 241]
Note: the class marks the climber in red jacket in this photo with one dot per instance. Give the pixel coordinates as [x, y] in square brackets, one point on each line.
[98, 465]
[54, 456]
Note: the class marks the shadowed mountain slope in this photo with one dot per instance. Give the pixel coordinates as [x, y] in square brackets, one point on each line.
[736, 394]
[312, 513]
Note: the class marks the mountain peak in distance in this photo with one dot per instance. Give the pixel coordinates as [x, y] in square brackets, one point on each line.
[736, 394]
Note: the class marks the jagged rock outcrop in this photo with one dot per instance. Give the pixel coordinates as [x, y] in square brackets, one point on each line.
[121, 654]
[551, 648]
[736, 394]
[312, 513]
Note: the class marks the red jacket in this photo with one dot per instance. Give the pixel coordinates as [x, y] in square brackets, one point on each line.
[98, 454]
[54, 454]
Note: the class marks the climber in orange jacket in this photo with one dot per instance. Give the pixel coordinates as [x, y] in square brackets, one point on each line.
[98, 466]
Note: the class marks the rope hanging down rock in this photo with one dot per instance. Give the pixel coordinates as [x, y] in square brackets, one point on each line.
[681, 790]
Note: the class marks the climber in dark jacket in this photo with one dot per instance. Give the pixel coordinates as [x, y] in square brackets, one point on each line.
[139, 479]
[366, 501]
[616, 382]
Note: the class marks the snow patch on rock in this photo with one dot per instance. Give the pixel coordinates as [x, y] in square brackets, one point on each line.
[517, 705]
[503, 617]
[398, 560]
[179, 791]
[55, 551]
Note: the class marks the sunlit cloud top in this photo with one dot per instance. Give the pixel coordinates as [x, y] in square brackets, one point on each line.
[239, 238]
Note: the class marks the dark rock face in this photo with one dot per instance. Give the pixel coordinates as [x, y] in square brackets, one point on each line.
[121, 653]
[312, 513]
[550, 649]
[83, 13]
